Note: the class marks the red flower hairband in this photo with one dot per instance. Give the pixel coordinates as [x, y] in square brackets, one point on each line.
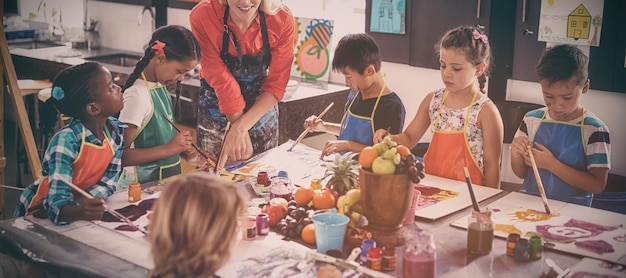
[479, 36]
[158, 47]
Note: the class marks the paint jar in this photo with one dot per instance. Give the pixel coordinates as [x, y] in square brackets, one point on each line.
[522, 250]
[280, 187]
[374, 259]
[389, 258]
[316, 184]
[262, 224]
[420, 254]
[510, 244]
[409, 218]
[134, 192]
[262, 178]
[536, 247]
[249, 228]
[480, 232]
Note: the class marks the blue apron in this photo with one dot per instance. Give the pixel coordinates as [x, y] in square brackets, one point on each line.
[565, 141]
[250, 73]
[357, 128]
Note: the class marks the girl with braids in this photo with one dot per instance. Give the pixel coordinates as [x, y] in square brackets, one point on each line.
[87, 151]
[467, 127]
[154, 147]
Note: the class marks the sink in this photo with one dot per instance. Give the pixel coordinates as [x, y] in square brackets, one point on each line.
[118, 59]
[32, 44]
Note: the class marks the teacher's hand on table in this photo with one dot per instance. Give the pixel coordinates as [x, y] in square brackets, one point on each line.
[237, 146]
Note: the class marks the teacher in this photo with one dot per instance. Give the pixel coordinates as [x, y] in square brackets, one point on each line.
[247, 53]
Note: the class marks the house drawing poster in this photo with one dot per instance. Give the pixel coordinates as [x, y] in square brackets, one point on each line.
[312, 48]
[571, 21]
[388, 16]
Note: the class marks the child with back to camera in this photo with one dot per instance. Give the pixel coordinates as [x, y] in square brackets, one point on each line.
[194, 226]
[371, 103]
[154, 147]
[570, 144]
[467, 127]
[87, 151]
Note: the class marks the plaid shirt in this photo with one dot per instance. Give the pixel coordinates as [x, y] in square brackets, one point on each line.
[58, 160]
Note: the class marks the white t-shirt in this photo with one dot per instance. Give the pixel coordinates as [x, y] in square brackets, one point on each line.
[137, 104]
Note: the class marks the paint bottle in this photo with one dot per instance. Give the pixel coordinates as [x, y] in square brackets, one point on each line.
[249, 229]
[374, 259]
[420, 254]
[510, 244]
[480, 232]
[134, 192]
[389, 258]
[262, 224]
[522, 250]
[366, 245]
[536, 247]
[316, 184]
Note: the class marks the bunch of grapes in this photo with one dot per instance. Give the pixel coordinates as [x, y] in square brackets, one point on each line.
[412, 167]
[297, 218]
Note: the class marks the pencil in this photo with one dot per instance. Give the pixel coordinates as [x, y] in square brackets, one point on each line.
[111, 211]
[308, 129]
[206, 157]
[471, 190]
[542, 192]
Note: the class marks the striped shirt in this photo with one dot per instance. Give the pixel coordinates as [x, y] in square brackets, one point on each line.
[596, 135]
[58, 160]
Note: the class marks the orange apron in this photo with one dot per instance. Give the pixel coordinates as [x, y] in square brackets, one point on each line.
[449, 152]
[88, 168]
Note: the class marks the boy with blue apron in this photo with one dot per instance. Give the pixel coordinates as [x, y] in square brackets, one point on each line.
[357, 128]
[250, 73]
[155, 132]
[570, 149]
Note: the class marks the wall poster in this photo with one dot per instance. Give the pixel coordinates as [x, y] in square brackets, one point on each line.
[313, 37]
[572, 22]
[388, 16]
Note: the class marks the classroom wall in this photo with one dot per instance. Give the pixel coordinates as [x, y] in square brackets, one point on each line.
[411, 83]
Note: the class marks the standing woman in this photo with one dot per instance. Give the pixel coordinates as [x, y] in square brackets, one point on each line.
[247, 52]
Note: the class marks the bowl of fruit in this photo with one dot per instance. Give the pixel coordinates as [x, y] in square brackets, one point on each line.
[387, 176]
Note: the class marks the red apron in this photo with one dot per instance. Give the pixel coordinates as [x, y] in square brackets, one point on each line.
[449, 152]
[88, 168]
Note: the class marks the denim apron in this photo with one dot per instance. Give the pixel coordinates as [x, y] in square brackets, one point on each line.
[357, 128]
[449, 152]
[156, 132]
[87, 169]
[565, 141]
[250, 73]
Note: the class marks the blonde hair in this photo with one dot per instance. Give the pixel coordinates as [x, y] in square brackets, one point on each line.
[270, 7]
[194, 225]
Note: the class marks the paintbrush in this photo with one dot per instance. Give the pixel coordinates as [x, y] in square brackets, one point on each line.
[471, 190]
[221, 153]
[111, 211]
[206, 157]
[308, 129]
[542, 192]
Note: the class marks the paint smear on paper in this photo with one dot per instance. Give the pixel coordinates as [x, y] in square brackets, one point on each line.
[432, 195]
[131, 212]
[598, 246]
[532, 215]
[508, 229]
[572, 229]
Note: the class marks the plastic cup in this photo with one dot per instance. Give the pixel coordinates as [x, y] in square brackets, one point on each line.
[330, 230]
[409, 218]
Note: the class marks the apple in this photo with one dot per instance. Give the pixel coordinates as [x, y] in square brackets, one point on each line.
[275, 212]
[383, 166]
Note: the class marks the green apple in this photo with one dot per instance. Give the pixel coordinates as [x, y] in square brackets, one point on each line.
[383, 166]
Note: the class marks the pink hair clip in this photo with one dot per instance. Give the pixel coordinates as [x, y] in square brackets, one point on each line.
[158, 47]
[479, 36]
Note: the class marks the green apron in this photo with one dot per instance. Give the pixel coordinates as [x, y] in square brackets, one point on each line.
[155, 132]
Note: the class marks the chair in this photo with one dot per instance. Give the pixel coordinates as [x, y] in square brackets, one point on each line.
[614, 196]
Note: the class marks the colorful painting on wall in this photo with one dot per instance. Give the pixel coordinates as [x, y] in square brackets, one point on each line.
[573, 22]
[313, 37]
[388, 16]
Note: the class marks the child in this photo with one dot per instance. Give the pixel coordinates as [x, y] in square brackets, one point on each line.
[571, 145]
[86, 152]
[467, 127]
[371, 104]
[194, 226]
[153, 145]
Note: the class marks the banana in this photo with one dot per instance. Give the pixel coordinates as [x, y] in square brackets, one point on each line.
[341, 205]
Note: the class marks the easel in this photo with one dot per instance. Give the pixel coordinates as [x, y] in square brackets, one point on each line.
[26, 132]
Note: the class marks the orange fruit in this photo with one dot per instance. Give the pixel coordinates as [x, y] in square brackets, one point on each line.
[403, 150]
[308, 234]
[367, 156]
[303, 195]
[324, 199]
